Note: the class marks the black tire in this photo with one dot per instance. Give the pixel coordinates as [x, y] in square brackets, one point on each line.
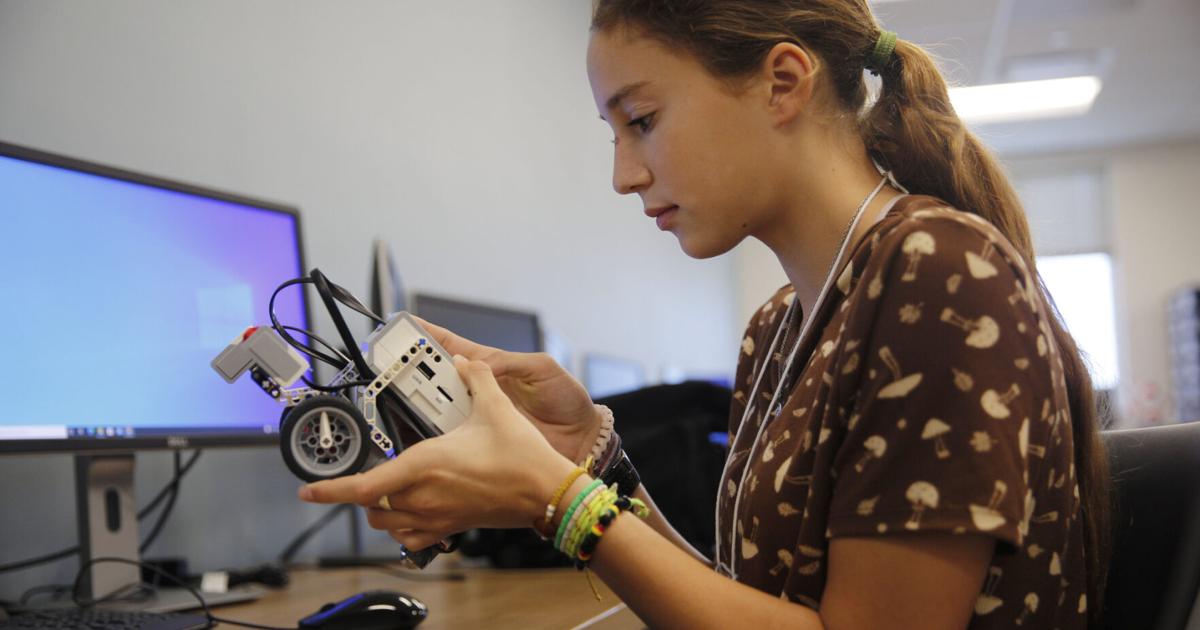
[302, 453]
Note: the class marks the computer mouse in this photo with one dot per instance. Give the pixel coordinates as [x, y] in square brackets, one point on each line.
[372, 610]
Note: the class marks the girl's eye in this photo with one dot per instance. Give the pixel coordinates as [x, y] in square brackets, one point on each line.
[643, 123]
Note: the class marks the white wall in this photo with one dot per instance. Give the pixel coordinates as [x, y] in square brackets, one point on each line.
[759, 276]
[1152, 224]
[463, 131]
[1155, 245]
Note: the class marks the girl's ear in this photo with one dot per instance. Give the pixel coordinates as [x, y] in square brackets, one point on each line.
[790, 73]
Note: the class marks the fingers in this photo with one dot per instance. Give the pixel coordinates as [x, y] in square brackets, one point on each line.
[455, 344]
[479, 380]
[503, 363]
[387, 520]
[363, 489]
[415, 539]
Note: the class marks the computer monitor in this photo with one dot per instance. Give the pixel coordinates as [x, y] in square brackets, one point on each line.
[120, 288]
[513, 330]
[387, 291]
[607, 375]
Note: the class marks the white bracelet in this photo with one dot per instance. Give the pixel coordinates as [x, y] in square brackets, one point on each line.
[606, 432]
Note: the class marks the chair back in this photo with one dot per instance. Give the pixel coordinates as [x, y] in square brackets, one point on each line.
[1154, 574]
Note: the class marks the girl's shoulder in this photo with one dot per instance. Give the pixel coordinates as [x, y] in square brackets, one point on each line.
[928, 228]
[765, 317]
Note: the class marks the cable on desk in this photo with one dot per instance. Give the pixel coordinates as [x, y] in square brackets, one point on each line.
[162, 574]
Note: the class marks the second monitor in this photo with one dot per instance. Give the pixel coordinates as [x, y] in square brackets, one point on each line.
[516, 331]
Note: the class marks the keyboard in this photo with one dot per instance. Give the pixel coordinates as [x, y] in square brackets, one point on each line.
[97, 619]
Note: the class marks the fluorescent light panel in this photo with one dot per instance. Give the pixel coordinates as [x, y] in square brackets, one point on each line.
[1027, 100]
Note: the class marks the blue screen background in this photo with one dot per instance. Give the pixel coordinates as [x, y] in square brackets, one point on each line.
[117, 296]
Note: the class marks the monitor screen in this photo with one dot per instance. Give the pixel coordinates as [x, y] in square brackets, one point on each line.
[516, 331]
[119, 291]
[607, 376]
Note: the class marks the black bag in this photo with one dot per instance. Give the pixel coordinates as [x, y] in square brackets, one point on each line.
[674, 435]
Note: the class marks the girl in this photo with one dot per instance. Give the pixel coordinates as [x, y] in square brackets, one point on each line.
[913, 436]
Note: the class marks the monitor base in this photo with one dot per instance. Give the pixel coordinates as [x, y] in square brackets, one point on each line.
[176, 599]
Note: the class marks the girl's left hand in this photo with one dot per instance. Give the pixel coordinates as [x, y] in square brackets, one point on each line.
[494, 470]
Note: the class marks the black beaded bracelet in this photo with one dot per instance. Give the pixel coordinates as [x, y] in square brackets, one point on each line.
[588, 546]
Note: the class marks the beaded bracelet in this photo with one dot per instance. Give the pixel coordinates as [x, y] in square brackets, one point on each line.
[544, 526]
[606, 433]
[610, 512]
[571, 510]
[571, 538]
[589, 543]
[588, 517]
[590, 514]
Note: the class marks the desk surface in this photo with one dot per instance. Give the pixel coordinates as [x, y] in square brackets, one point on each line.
[484, 598]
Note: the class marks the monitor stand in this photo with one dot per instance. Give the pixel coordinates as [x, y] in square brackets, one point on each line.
[108, 528]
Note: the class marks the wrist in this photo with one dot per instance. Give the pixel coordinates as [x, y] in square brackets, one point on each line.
[602, 436]
[546, 480]
[568, 497]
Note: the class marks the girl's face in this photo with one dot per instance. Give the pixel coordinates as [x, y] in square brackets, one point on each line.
[692, 149]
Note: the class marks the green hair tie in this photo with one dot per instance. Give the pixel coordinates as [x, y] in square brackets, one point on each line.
[882, 54]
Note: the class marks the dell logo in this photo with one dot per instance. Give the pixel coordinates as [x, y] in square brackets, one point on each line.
[175, 441]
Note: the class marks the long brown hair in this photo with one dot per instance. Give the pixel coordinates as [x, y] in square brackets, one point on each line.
[913, 130]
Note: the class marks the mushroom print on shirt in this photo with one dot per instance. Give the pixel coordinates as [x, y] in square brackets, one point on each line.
[931, 399]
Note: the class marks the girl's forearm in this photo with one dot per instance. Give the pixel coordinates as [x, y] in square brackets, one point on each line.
[669, 584]
[660, 524]
[668, 588]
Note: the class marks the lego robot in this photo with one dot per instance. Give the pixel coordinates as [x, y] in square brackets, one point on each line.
[401, 387]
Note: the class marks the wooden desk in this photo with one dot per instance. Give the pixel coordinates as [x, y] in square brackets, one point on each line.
[484, 598]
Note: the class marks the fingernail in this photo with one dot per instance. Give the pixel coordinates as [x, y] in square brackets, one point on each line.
[306, 493]
[459, 359]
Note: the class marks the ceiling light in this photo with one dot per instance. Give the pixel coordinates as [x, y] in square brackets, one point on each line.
[1027, 100]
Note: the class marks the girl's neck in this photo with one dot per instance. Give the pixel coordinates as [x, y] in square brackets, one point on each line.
[817, 209]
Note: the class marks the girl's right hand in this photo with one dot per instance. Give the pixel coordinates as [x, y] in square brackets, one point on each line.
[545, 393]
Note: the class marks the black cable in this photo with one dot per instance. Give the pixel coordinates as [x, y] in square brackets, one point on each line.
[325, 291]
[334, 389]
[166, 512]
[88, 603]
[312, 335]
[303, 537]
[144, 512]
[163, 574]
[72, 551]
[338, 359]
[53, 589]
[347, 298]
[22, 564]
[279, 328]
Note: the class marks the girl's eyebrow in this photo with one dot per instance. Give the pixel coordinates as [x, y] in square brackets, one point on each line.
[615, 99]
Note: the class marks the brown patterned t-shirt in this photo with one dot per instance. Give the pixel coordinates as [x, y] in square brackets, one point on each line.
[930, 399]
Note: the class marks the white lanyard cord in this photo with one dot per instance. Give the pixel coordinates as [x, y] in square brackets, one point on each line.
[805, 329]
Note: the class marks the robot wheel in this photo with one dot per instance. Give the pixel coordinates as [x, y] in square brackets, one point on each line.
[324, 437]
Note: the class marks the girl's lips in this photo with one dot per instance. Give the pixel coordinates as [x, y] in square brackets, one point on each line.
[662, 215]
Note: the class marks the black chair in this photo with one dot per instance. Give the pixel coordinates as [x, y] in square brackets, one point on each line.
[1154, 574]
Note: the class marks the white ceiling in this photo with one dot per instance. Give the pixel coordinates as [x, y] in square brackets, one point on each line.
[1146, 51]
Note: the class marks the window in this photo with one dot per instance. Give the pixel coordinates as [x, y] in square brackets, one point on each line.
[1082, 288]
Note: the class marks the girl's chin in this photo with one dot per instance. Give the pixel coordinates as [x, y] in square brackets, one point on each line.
[700, 248]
